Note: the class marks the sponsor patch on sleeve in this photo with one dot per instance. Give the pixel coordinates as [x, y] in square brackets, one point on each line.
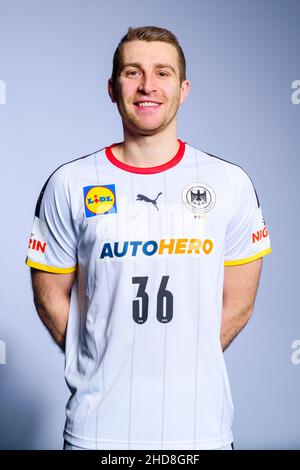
[259, 229]
[38, 240]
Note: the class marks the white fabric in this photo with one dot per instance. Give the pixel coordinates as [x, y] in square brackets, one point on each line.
[156, 381]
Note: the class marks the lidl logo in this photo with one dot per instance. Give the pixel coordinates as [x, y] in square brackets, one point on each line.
[100, 200]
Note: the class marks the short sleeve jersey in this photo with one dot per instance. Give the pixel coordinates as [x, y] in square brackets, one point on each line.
[144, 363]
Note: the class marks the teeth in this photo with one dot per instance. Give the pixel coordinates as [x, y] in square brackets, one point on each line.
[149, 103]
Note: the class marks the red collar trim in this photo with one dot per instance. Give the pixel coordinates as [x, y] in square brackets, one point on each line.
[146, 170]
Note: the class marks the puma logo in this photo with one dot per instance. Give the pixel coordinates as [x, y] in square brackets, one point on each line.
[141, 197]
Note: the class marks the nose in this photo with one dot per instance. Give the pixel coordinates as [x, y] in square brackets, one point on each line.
[147, 84]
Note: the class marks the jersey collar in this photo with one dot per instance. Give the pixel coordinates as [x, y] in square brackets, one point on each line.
[146, 170]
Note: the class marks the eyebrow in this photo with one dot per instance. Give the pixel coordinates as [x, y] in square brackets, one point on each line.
[139, 66]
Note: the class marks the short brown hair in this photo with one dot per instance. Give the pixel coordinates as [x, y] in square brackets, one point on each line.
[147, 33]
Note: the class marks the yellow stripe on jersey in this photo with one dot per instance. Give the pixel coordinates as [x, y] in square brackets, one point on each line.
[50, 269]
[236, 262]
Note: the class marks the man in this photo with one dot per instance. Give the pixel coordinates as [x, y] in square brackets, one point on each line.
[139, 233]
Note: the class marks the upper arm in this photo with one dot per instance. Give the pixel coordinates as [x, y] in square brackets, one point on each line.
[49, 286]
[241, 283]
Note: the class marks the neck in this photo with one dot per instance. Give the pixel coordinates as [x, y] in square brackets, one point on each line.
[147, 151]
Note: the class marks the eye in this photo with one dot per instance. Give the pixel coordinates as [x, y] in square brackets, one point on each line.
[132, 73]
[163, 73]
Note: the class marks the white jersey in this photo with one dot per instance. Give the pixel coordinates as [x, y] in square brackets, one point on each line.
[144, 363]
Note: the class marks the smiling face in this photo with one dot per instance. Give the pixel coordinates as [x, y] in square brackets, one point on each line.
[149, 90]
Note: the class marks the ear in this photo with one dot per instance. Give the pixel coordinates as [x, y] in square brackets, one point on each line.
[110, 90]
[184, 90]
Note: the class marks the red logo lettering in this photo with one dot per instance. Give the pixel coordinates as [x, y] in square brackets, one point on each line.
[262, 233]
[37, 245]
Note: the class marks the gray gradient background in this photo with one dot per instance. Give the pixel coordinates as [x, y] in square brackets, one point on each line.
[55, 58]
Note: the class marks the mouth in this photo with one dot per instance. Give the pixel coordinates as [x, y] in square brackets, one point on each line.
[147, 104]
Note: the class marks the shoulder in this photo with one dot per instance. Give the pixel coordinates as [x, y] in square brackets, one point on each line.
[237, 175]
[58, 182]
[238, 179]
[233, 168]
[73, 167]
